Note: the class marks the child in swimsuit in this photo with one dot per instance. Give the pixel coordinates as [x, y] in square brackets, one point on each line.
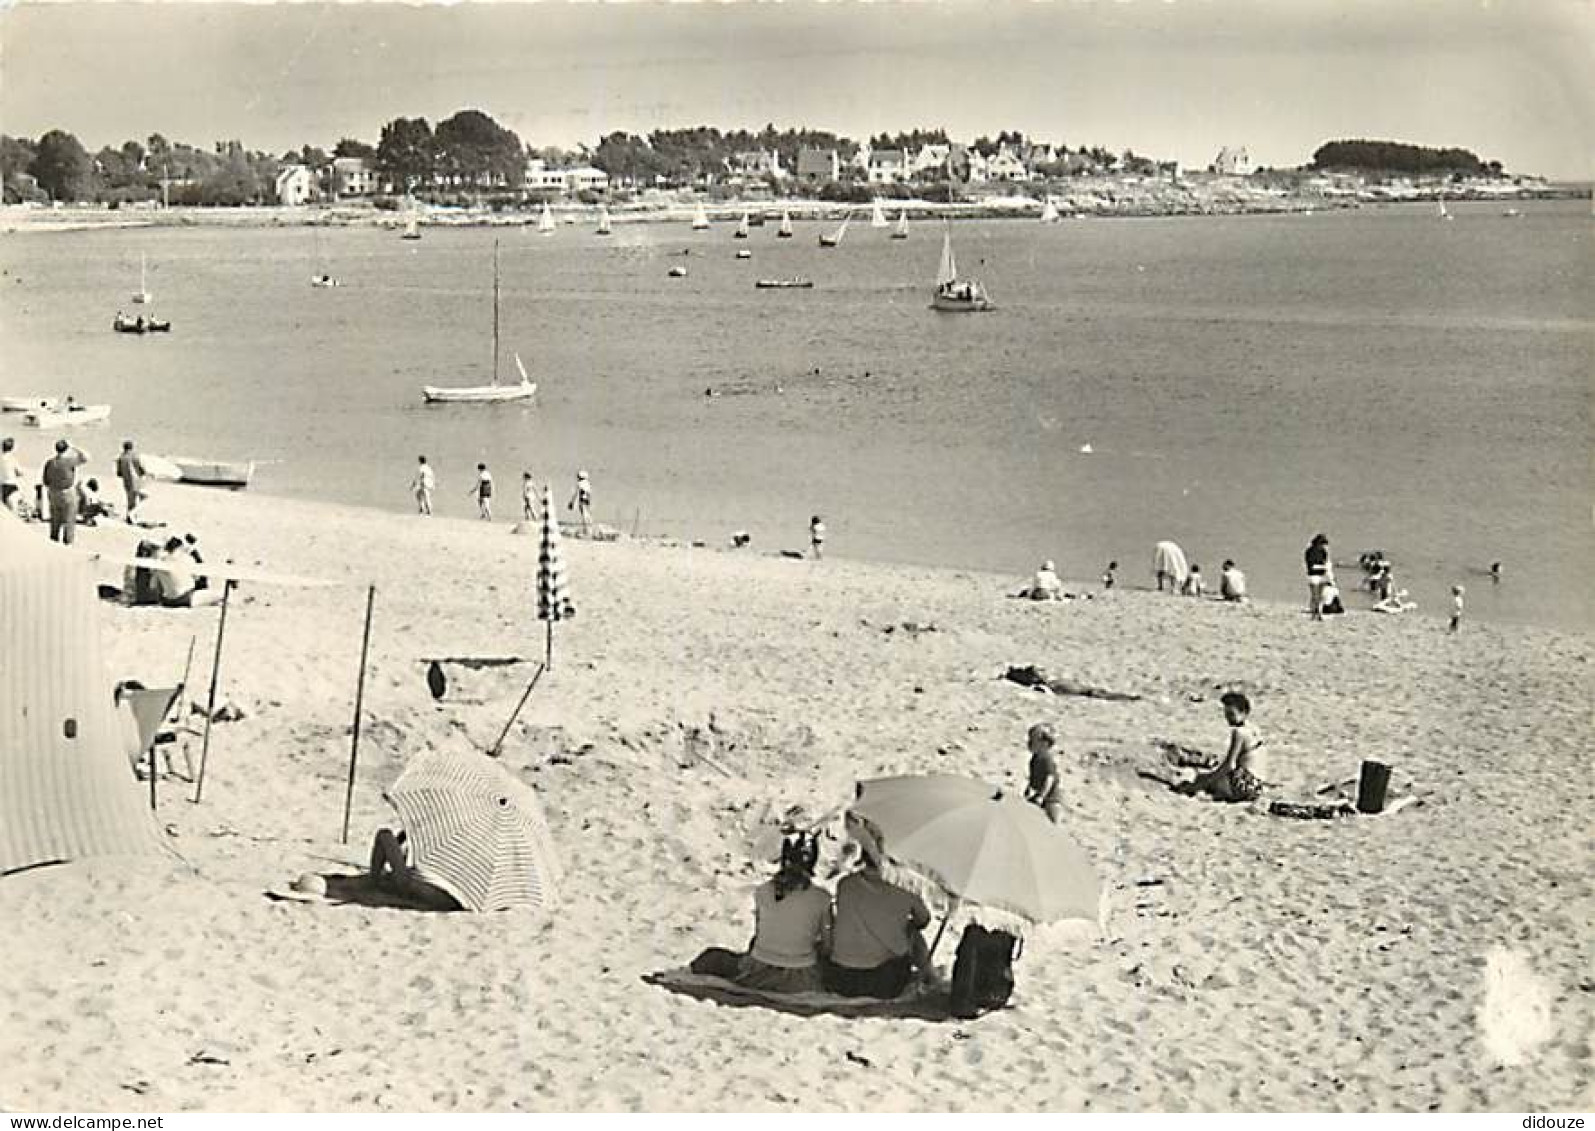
[1043, 788]
[817, 536]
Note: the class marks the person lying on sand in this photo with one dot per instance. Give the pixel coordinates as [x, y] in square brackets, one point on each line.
[1032, 676]
[877, 942]
[792, 929]
[1240, 775]
[391, 870]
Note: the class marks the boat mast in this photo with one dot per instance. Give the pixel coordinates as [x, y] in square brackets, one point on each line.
[495, 312]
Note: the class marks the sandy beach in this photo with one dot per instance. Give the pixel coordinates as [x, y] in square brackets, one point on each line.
[1433, 959]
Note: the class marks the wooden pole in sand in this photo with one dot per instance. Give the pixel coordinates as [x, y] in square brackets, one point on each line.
[525, 695]
[359, 700]
[210, 705]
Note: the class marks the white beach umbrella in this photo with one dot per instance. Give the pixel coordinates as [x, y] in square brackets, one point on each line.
[477, 831]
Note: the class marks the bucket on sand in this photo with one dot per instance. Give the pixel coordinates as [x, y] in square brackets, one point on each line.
[1372, 786]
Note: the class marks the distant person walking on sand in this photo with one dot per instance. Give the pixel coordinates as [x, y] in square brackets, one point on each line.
[61, 486]
[528, 497]
[483, 490]
[130, 470]
[1241, 775]
[1042, 789]
[1456, 607]
[10, 474]
[581, 500]
[422, 486]
[1110, 576]
[817, 537]
[1495, 571]
[1319, 573]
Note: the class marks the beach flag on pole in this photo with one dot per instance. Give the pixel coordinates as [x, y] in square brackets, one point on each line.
[552, 602]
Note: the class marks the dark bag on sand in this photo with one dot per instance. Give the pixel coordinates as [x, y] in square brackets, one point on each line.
[983, 971]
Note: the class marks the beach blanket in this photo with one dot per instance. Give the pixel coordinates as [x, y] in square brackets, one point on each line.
[922, 1004]
[1330, 812]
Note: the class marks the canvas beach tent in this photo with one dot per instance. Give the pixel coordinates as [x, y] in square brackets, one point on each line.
[66, 789]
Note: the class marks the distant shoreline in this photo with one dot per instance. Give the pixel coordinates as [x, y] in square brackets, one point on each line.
[1094, 201]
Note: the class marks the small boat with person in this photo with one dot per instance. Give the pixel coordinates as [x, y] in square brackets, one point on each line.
[955, 295]
[485, 394]
[69, 415]
[122, 324]
[324, 281]
[29, 404]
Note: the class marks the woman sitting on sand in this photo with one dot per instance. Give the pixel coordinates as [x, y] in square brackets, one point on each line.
[1045, 586]
[877, 940]
[792, 929]
[1240, 776]
[391, 870]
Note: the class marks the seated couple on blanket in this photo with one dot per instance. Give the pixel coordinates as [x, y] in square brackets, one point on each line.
[868, 945]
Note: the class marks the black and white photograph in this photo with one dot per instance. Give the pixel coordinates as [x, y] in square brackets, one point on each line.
[916, 556]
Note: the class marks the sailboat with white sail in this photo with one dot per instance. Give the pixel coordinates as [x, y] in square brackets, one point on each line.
[545, 222]
[955, 295]
[485, 394]
[1050, 213]
[877, 217]
[835, 240]
[700, 220]
[901, 231]
[143, 292]
[1444, 213]
[742, 228]
[603, 222]
[784, 232]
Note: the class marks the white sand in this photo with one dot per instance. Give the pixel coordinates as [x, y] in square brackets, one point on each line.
[1274, 964]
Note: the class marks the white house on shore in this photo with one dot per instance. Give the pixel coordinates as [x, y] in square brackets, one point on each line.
[540, 177]
[353, 176]
[815, 166]
[887, 167]
[1233, 162]
[293, 185]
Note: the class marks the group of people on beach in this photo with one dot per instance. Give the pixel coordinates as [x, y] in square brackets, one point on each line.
[423, 486]
[62, 495]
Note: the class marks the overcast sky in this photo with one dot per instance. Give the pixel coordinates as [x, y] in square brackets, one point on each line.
[1511, 80]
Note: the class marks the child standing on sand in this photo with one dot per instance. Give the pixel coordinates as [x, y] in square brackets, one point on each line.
[484, 493]
[582, 500]
[1043, 788]
[1456, 607]
[817, 536]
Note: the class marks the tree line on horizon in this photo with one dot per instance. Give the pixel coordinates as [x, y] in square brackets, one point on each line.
[470, 152]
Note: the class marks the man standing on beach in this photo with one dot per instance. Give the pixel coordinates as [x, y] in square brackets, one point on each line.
[10, 474]
[1319, 574]
[61, 485]
[582, 500]
[130, 470]
[483, 490]
[424, 483]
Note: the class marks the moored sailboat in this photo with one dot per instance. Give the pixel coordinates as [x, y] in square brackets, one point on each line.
[143, 292]
[742, 228]
[603, 222]
[835, 240]
[901, 231]
[485, 394]
[700, 220]
[955, 295]
[545, 222]
[1444, 213]
[877, 217]
[1050, 213]
[784, 232]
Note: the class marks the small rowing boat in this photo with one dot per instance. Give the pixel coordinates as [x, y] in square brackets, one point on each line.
[67, 417]
[782, 284]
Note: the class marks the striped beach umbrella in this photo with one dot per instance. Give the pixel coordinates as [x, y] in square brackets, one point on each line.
[553, 603]
[476, 831]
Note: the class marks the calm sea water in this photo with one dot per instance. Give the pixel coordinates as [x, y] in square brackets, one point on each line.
[1392, 380]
